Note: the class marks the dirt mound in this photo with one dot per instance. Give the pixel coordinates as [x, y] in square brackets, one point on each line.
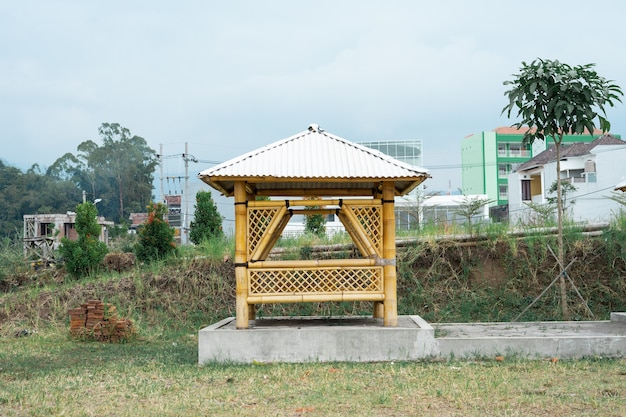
[119, 261]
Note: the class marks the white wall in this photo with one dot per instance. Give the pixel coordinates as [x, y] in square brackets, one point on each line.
[592, 204]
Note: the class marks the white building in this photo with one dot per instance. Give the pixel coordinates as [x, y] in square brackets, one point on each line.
[593, 168]
[444, 209]
[296, 226]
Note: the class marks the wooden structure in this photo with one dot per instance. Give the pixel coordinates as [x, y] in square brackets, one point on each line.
[315, 172]
[43, 233]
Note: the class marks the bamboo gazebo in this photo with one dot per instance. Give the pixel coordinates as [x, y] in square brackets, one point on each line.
[309, 173]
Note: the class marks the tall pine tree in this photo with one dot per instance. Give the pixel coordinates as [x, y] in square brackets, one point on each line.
[207, 222]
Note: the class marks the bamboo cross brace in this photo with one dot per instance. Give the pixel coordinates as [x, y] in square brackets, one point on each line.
[269, 235]
[546, 289]
[359, 232]
[571, 282]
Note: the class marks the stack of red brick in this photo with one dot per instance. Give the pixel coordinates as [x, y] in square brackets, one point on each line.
[98, 320]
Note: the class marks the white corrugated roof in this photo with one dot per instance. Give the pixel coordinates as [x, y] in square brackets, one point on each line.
[452, 200]
[313, 159]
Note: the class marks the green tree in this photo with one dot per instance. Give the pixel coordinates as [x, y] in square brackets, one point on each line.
[567, 188]
[539, 214]
[554, 99]
[207, 222]
[32, 192]
[470, 208]
[314, 223]
[156, 237]
[120, 171]
[83, 256]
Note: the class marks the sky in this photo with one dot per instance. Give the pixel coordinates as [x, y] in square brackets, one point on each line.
[227, 77]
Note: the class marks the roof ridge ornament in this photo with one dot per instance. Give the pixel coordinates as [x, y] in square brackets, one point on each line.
[314, 127]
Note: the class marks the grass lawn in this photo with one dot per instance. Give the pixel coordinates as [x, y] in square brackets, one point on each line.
[48, 374]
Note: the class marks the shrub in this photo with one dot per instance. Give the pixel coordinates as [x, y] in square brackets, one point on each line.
[84, 255]
[208, 221]
[315, 223]
[156, 237]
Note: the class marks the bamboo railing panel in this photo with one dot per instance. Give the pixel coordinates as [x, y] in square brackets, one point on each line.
[315, 283]
[359, 222]
[259, 221]
[268, 237]
[351, 229]
[370, 219]
[282, 223]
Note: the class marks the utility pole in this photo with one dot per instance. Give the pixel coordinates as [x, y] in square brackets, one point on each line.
[161, 169]
[184, 205]
[185, 223]
[186, 196]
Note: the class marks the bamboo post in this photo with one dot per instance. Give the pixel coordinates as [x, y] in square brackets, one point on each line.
[379, 306]
[241, 244]
[379, 310]
[390, 318]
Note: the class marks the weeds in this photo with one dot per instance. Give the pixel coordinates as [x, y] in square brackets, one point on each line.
[491, 279]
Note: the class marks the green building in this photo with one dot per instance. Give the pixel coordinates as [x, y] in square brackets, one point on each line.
[487, 158]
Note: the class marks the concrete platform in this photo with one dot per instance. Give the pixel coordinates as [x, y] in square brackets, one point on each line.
[364, 339]
[565, 340]
[317, 339]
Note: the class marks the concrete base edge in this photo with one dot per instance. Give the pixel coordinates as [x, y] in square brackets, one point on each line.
[365, 339]
[300, 339]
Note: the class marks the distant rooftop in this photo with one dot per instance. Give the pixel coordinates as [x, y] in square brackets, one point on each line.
[511, 130]
[569, 150]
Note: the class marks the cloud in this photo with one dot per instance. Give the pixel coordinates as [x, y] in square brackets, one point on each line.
[228, 77]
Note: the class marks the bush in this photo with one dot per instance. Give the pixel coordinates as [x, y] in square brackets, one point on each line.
[156, 237]
[83, 256]
[11, 259]
[208, 221]
[315, 223]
